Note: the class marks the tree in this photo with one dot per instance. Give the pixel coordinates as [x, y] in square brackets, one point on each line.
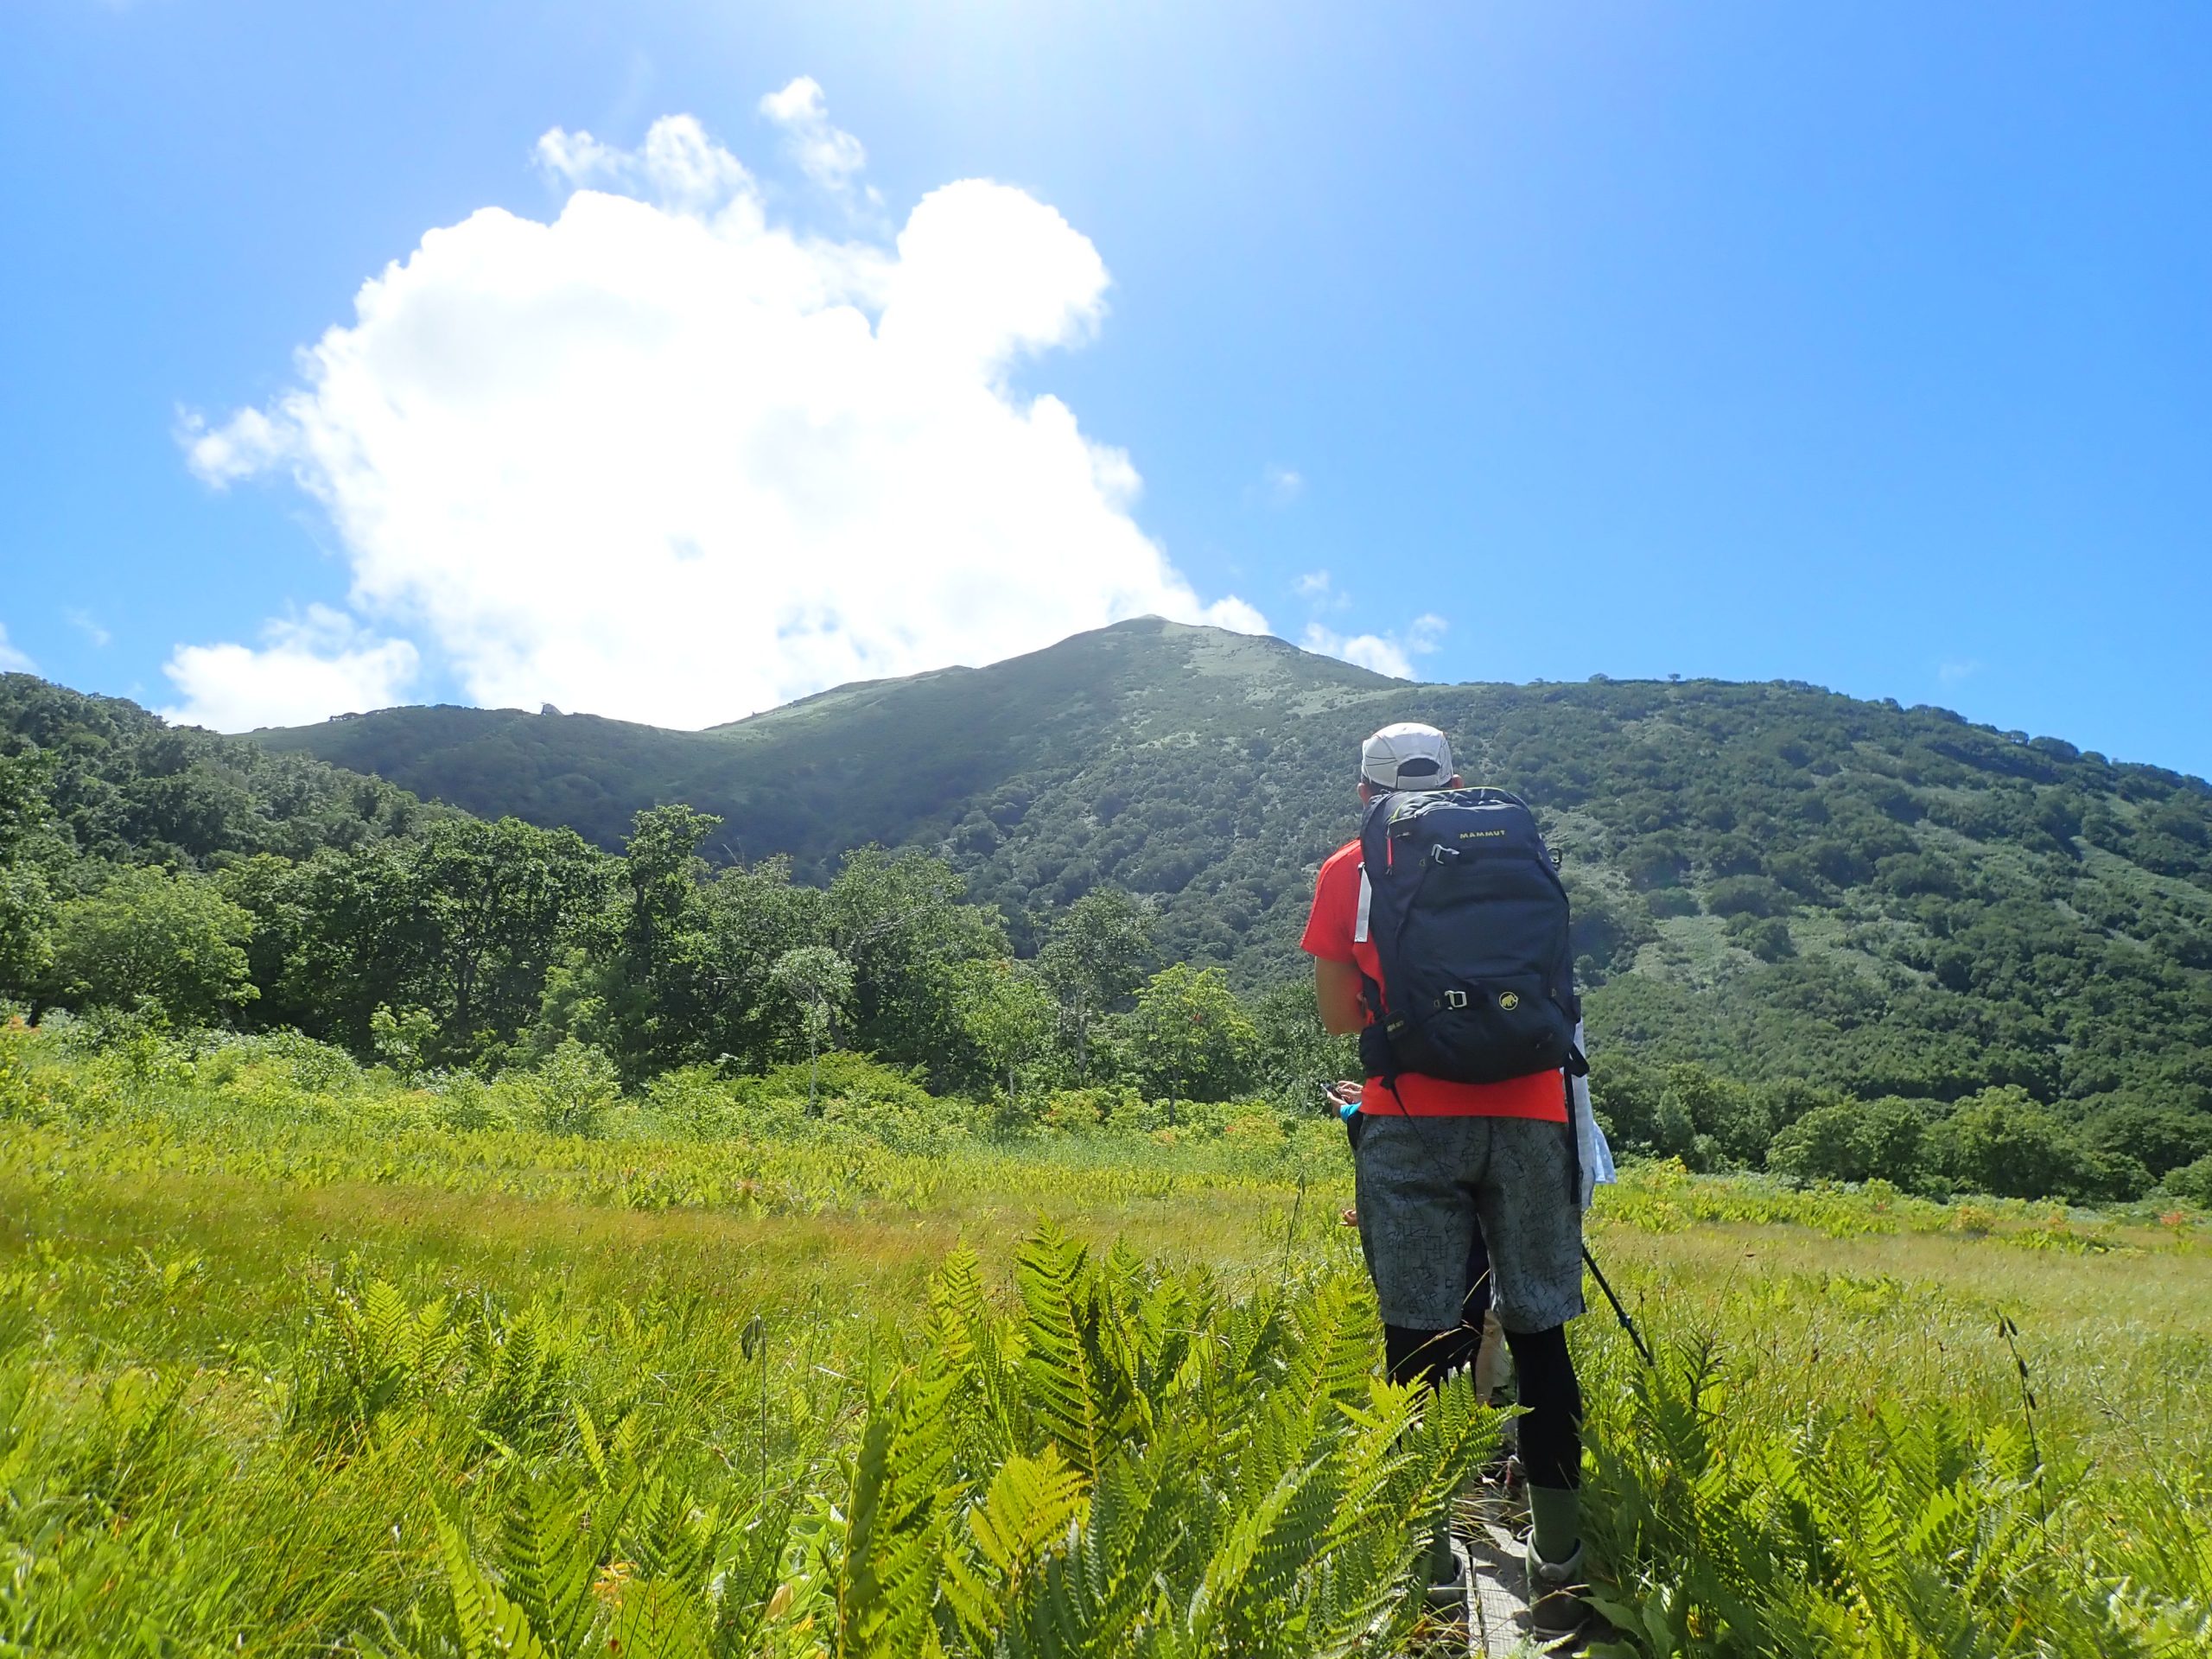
[750, 916]
[1093, 960]
[2163, 1136]
[2192, 1183]
[146, 935]
[25, 809]
[1852, 1140]
[1188, 1036]
[1821, 1146]
[820, 982]
[2002, 1142]
[26, 904]
[1008, 1016]
[654, 986]
[498, 901]
[1893, 1136]
[1296, 1059]
[1625, 1095]
[1700, 1115]
[26, 930]
[353, 934]
[901, 923]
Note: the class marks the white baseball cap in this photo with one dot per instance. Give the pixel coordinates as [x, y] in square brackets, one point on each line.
[1407, 756]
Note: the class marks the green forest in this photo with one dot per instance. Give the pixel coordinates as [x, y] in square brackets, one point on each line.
[1832, 939]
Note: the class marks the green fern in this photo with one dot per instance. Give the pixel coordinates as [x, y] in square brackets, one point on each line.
[1062, 1369]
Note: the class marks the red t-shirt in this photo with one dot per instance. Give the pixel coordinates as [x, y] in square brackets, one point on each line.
[1329, 930]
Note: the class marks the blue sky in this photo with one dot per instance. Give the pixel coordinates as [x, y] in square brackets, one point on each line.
[1863, 345]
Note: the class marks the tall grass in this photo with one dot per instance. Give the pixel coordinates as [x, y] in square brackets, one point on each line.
[289, 1365]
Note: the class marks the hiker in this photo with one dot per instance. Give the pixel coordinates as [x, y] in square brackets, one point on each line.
[1463, 899]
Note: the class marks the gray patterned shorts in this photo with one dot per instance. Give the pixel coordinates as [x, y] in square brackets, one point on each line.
[1423, 1183]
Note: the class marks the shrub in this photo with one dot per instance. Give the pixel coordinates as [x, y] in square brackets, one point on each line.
[1088, 1108]
[465, 1102]
[695, 1104]
[2192, 1183]
[1766, 938]
[1745, 895]
[16, 1097]
[310, 1066]
[858, 1081]
[574, 1086]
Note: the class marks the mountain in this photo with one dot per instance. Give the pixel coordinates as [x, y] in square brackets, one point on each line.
[1770, 878]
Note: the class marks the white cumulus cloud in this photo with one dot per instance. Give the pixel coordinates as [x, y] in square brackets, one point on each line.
[321, 663]
[1374, 651]
[245, 444]
[1390, 653]
[825, 154]
[663, 459]
[677, 166]
[13, 661]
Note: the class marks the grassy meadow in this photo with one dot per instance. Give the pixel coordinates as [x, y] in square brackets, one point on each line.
[296, 1359]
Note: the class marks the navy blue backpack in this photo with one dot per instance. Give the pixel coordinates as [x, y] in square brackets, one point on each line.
[1464, 904]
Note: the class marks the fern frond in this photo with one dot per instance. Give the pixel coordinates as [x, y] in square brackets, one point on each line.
[656, 1621]
[512, 1636]
[471, 1592]
[1030, 1503]
[548, 1564]
[1060, 1369]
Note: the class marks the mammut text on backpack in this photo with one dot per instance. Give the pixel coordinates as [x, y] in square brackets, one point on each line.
[1470, 924]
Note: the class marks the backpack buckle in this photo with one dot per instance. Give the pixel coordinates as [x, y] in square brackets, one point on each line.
[1455, 998]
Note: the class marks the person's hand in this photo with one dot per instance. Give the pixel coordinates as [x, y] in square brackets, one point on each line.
[1350, 1217]
[1346, 1093]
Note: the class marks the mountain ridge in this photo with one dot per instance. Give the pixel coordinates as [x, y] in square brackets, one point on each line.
[1771, 881]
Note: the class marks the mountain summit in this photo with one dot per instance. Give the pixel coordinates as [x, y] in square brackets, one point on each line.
[897, 761]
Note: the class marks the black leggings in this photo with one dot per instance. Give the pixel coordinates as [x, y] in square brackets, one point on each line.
[1551, 1431]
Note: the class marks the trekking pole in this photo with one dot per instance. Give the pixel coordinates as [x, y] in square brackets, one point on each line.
[1619, 1312]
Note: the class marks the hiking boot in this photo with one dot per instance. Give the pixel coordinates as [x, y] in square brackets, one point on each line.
[1449, 1595]
[1447, 1587]
[1555, 1590]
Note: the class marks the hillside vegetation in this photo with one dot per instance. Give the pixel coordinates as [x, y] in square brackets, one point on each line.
[1775, 884]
